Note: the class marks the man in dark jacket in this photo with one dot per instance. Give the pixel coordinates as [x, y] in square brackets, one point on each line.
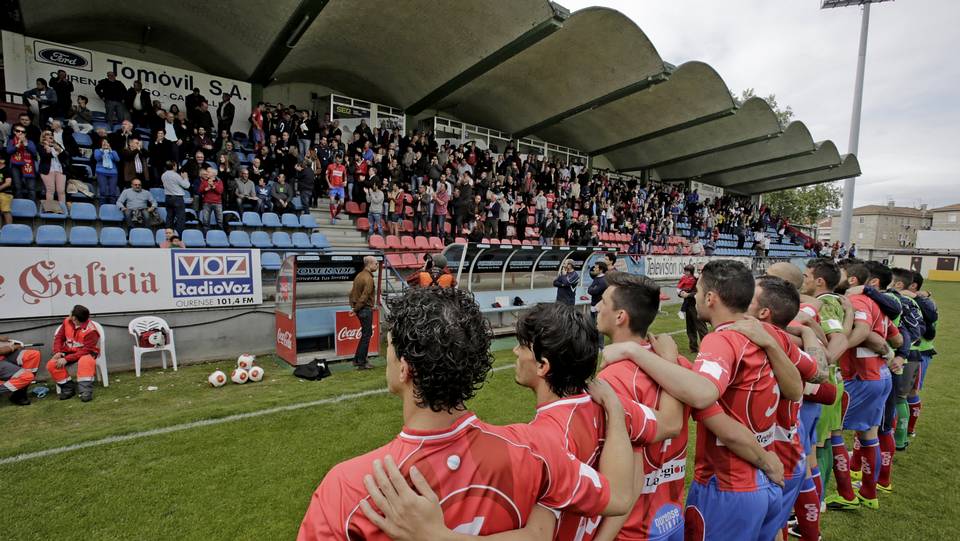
[225, 114]
[64, 89]
[566, 284]
[596, 289]
[113, 92]
[192, 103]
[137, 101]
[305, 182]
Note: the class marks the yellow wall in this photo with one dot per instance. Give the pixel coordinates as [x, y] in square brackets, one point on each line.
[943, 276]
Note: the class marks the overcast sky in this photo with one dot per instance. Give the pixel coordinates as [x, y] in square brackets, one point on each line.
[910, 130]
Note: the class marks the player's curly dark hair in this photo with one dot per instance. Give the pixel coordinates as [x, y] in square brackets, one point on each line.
[445, 339]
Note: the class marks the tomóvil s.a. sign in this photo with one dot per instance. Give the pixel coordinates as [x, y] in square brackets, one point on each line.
[38, 282]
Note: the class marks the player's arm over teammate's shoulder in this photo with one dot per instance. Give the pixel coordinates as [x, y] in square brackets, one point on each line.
[741, 441]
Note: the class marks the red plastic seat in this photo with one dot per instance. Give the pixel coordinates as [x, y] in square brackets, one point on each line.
[458, 240]
[407, 226]
[515, 242]
[353, 208]
[528, 243]
[422, 244]
[375, 242]
[409, 261]
[437, 244]
[395, 261]
[496, 242]
[393, 243]
[407, 243]
[363, 224]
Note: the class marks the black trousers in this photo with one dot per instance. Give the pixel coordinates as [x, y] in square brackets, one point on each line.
[175, 213]
[365, 315]
[696, 329]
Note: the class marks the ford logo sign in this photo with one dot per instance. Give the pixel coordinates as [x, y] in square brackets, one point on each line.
[64, 58]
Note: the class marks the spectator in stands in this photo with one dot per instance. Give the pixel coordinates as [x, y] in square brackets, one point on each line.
[396, 198]
[540, 208]
[54, 163]
[6, 191]
[440, 200]
[256, 125]
[265, 196]
[162, 150]
[64, 89]
[203, 118]
[137, 205]
[225, 113]
[696, 247]
[32, 132]
[306, 179]
[23, 163]
[505, 206]
[421, 209]
[134, 160]
[211, 193]
[566, 284]
[42, 101]
[5, 128]
[137, 101]
[280, 193]
[174, 192]
[362, 298]
[120, 139]
[375, 198]
[246, 192]
[203, 143]
[192, 105]
[113, 93]
[228, 176]
[172, 240]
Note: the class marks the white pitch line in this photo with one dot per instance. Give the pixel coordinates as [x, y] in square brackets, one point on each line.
[197, 424]
[205, 422]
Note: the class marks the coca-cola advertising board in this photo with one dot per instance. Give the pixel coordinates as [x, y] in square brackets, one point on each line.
[285, 311]
[348, 333]
[43, 282]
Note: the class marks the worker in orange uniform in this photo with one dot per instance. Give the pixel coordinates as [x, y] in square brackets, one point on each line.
[437, 274]
[77, 341]
[18, 367]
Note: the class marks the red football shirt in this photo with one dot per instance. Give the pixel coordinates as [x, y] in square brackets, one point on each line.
[488, 479]
[659, 508]
[580, 424]
[336, 174]
[862, 361]
[748, 393]
[787, 444]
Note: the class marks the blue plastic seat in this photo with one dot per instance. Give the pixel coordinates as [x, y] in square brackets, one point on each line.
[260, 239]
[55, 215]
[160, 235]
[231, 218]
[308, 221]
[16, 235]
[159, 195]
[162, 212]
[252, 219]
[82, 139]
[83, 212]
[319, 240]
[216, 238]
[270, 260]
[51, 235]
[110, 213]
[83, 235]
[240, 239]
[193, 238]
[113, 236]
[270, 219]
[23, 208]
[290, 220]
[301, 240]
[141, 237]
[282, 240]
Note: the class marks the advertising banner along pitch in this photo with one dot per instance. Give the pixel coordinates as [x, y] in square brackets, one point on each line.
[40, 282]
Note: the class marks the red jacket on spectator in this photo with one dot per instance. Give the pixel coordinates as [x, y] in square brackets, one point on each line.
[75, 342]
[212, 195]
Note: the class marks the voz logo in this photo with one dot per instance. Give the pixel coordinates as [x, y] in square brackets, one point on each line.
[211, 274]
[61, 56]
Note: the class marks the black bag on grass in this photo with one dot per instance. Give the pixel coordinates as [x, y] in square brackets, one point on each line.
[314, 370]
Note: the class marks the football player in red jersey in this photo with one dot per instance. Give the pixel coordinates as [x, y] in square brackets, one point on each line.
[628, 307]
[730, 498]
[487, 478]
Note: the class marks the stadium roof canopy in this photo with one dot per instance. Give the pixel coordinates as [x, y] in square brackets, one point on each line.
[589, 80]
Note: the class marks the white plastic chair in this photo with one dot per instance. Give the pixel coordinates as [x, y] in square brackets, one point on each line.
[101, 358]
[146, 323]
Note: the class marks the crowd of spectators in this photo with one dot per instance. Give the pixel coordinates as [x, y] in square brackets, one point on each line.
[291, 158]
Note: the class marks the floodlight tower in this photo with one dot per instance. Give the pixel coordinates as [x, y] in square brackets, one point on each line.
[846, 217]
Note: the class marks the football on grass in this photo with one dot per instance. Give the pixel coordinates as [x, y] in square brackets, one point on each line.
[217, 378]
[256, 373]
[245, 361]
[239, 375]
